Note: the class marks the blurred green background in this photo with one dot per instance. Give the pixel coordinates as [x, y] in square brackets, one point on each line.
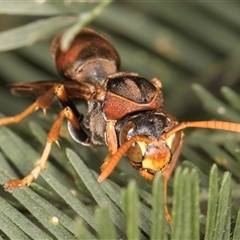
[182, 43]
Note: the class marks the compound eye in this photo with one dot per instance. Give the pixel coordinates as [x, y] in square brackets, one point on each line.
[135, 152]
[173, 141]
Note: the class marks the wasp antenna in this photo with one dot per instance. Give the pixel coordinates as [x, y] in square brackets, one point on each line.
[112, 161]
[220, 125]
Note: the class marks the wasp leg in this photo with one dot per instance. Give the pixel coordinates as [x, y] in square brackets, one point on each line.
[111, 141]
[52, 137]
[69, 112]
[43, 102]
[167, 174]
[75, 131]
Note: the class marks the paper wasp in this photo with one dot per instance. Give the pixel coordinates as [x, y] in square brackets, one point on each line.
[126, 112]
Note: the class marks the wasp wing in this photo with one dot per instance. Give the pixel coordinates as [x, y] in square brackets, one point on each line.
[74, 89]
[31, 89]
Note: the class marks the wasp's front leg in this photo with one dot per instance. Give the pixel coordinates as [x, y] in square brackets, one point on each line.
[111, 140]
[167, 174]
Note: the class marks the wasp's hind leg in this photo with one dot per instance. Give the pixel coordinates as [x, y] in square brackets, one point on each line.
[53, 134]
